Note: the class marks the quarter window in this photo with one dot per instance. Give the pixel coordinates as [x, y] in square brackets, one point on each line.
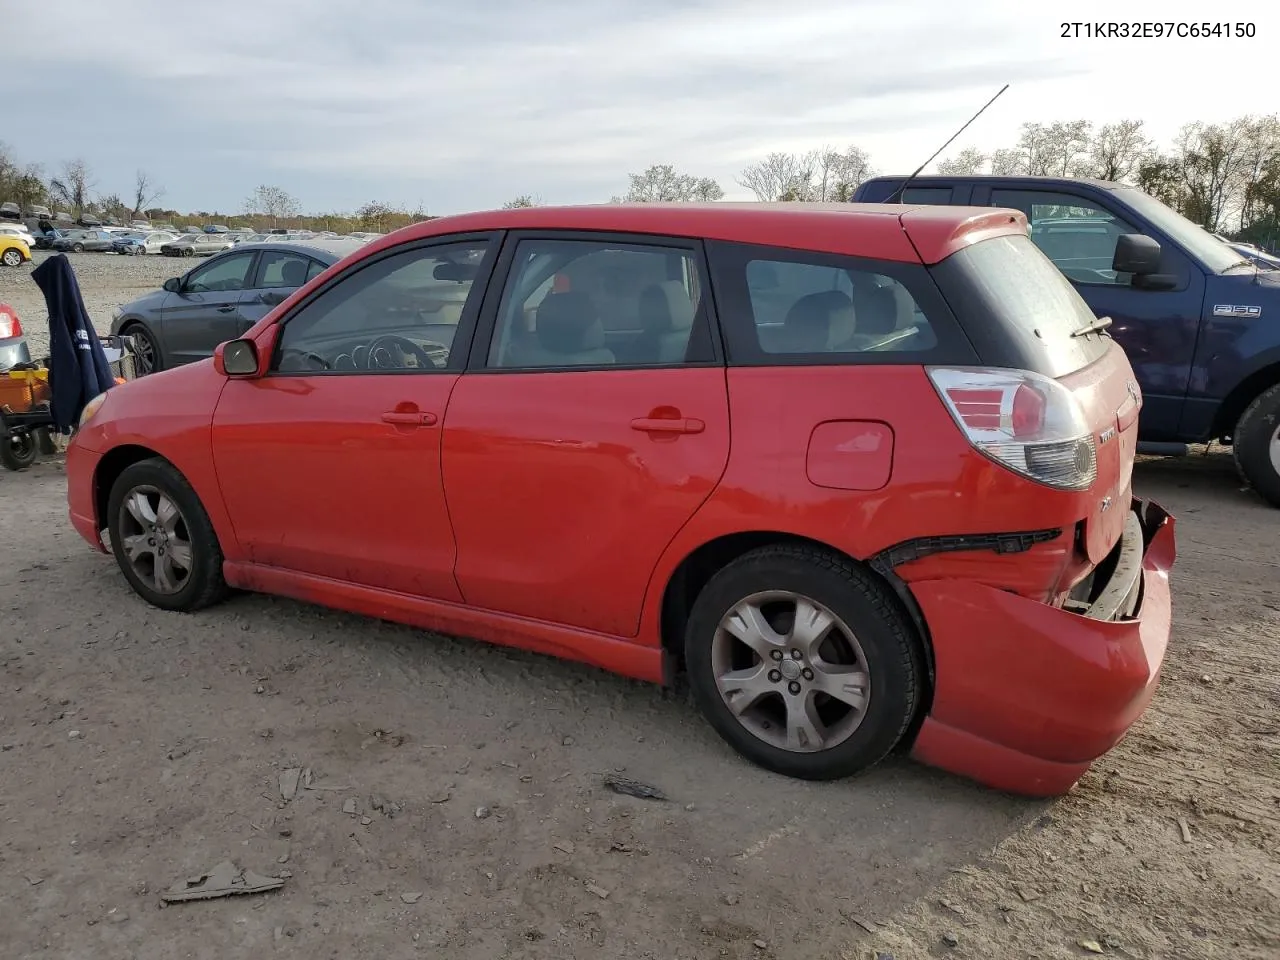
[227, 273]
[399, 313]
[593, 304]
[1077, 235]
[781, 304]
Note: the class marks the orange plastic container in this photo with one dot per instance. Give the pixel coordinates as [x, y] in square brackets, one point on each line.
[21, 390]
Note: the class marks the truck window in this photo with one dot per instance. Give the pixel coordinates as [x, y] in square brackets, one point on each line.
[1076, 234]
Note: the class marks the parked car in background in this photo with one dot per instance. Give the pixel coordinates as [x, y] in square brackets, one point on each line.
[13, 342]
[14, 251]
[10, 211]
[216, 228]
[18, 230]
[929, 543]
[191, 228]
[81, 241]
[89, 220]
[220, 299]
[364, 236]
[1196, 317]
[37, 212]
[196, 245]
[45, 240]
[142, 243]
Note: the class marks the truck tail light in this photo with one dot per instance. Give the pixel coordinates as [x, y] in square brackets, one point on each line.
[9, 325]
[1031, 424]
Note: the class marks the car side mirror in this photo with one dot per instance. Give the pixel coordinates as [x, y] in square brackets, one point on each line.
[1136, 254]
[236, 358]
[173, 284]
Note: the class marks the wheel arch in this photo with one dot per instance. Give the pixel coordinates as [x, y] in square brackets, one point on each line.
[1244, 393]
[697, 568]
[113, 463]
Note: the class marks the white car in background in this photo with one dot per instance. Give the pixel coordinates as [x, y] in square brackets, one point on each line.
[20, 231]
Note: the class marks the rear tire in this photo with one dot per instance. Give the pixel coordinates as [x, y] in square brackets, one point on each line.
[162, 538]
[1255, 444]
[814, 622]
[12, 257]
[77, 248]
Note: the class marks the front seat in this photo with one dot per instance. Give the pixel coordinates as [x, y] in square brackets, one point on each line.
[666, 319]
[818, 323]
[567, 333]
[881, 310]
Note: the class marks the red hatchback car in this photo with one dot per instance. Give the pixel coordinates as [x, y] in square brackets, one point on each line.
[863, 471]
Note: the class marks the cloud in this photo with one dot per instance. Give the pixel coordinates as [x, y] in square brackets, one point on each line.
[466, 105]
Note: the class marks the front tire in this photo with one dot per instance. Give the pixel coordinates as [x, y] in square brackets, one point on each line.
[12, 257]
[804, 662]
[162, 538]
[147, 355]
[77, 248]
[1255, 444]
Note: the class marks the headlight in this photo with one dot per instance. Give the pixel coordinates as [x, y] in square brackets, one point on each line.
[91, 408]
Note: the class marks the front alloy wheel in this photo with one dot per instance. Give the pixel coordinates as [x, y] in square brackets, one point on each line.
[156, 540]
[12, 257]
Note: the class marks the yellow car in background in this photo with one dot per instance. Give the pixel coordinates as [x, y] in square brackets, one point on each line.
[14, 251]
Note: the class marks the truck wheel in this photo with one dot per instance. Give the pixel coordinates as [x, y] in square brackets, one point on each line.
[803, 662]
[1256, 445]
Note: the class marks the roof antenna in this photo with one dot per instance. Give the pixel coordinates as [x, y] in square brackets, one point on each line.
[896, 196]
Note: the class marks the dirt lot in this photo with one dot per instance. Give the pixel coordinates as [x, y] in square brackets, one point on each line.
[138, 748]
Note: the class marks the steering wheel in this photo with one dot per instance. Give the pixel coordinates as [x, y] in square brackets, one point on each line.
[403, 345]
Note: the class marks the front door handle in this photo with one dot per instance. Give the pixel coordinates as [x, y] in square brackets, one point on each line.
[226, 309]
[409, 418]
[664, 425]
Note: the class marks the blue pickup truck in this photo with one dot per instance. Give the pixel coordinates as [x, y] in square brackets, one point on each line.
[1200, 322]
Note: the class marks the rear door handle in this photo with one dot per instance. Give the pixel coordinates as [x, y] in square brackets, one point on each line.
[663, 425]
[415, 418]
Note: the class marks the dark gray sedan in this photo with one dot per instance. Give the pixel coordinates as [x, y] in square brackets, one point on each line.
[220, 299]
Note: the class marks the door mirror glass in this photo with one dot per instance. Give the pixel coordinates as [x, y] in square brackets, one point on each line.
[173, 284]
[240, 358]
[1136, 254]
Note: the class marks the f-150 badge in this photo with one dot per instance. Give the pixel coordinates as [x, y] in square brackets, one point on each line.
[1239, 311]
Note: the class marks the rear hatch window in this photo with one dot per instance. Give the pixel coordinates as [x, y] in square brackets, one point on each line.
[1017, 308]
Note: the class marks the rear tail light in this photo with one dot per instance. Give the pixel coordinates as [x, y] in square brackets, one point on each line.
[9, 325]
[1028, 423]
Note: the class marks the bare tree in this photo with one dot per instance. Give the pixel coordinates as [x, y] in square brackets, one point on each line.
[71, 189]
[374, 216]
[841, 172]
[1008, 162]
[662, 183]
[1212, 161]
[1055, 150]
[1261, 157]
[779, 176]
[966, 163]
[272, 202]
[145, 192]
[1158, 175]
[1117, 150]
[524, 200]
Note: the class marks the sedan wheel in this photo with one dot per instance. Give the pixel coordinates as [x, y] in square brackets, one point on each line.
[12, 257]
[146, 352]
[804, 662]
[162, 538]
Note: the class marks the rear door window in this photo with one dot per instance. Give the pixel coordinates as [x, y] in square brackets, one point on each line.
[783, 306]
[1018, 309]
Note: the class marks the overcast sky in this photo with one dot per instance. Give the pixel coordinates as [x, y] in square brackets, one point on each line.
[462, 105]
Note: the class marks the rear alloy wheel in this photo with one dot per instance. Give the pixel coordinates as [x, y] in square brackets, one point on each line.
[146, 352]
[12, 257]
[1255, 444]
[803, 662]
[162, 538]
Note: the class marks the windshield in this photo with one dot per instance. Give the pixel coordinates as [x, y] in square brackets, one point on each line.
[1199, 242]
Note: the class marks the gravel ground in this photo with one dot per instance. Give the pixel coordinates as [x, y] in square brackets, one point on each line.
[457, 810]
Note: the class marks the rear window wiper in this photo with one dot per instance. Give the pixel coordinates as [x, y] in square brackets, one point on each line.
[1098, 327]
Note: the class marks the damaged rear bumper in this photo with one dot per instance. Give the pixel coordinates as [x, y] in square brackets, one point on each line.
[1028, 695]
